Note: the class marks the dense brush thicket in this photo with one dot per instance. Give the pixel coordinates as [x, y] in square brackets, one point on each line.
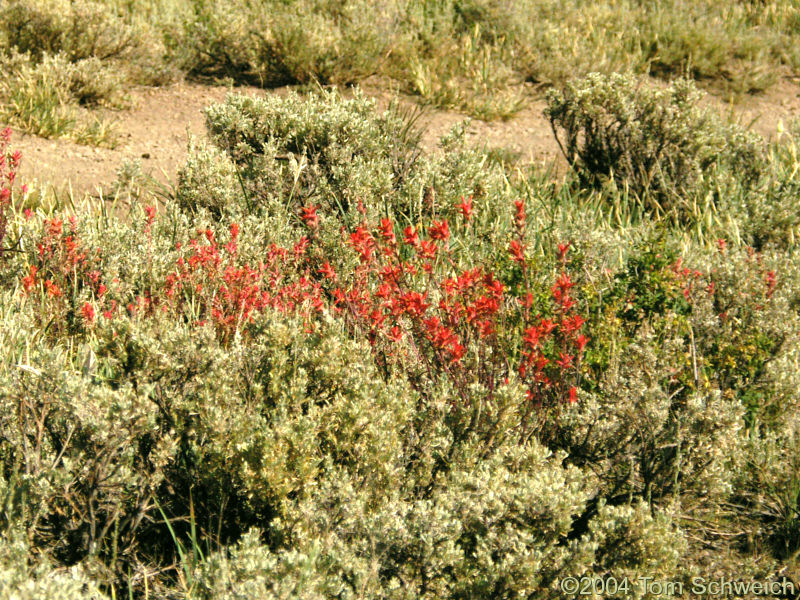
[330, 368]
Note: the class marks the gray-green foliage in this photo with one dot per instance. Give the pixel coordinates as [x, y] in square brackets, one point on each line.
[356, 487]
[48, 97]
[335, 153]
[659, 144]
[41, 581]
[768, 214]
[279, 43]
[79, 30]
[496, 528]
[83, 30]
[85, 81]
[288, 464]
[207, 180]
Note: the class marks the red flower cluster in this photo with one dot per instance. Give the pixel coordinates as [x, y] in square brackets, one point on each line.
[309, 216]
[210, 283]
[64, 269]
[464, 333]
[9, 163]
[564, 335]
[417, 308]
[465, 208]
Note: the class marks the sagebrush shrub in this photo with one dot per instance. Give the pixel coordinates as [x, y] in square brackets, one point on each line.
[342, 154]
[320, 150]
[81, 31]
[207, 180]
[659, 144]
[42, 580]
[47, 98]
[768, 215]
[274, 43]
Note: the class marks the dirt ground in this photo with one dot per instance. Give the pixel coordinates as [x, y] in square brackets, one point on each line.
[155, 131]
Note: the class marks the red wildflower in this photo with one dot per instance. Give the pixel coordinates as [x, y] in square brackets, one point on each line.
[456, 352]
[564, 283]
[394, 334]
[519, 215]
[386, 230]
[771, 282]
[439, 230]
[326, 270]
[87, 312]
[410, 236]
[527, 300]
[426, 249]
[494, 287]
[300, 246]
[150, 213]
[309, 216]
[531, 337]
[54, 227]
[465, 207]
[485, 328]
[515, 249]
[540, 362]
[413, 303]
[109, 313]
[546, 326]
[390, 272]
[571, 395]
[363, 243]
[580, 342]
[431, 323]
[52, 289]
[564, 361]
[570, 325]
[562, 250]
[376, 317]
[30, 279]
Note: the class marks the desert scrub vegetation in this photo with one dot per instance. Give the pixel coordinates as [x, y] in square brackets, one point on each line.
[327, 366]
[473, 56]
[61, 58]
[667, 157]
